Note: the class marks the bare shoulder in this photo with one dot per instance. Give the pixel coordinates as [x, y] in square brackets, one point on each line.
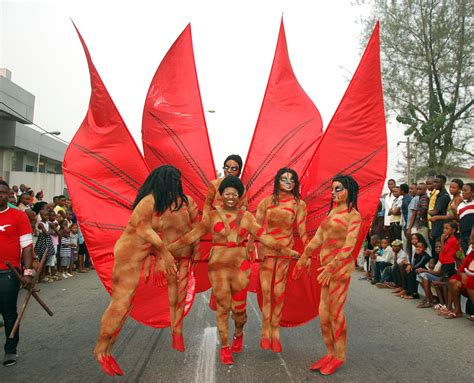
[265, 201]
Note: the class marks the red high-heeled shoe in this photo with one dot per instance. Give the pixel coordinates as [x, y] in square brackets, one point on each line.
[276, 345]
[226, 355]
[331, 367]
[265, 343]
[178, 342]
[237, 343]
[321, 362]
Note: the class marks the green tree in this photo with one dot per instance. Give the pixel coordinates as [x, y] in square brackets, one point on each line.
[427, 66]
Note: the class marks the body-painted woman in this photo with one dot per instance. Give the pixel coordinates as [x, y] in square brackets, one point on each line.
[160, 205]
[229, 267]
[337, 236]
[278, 213]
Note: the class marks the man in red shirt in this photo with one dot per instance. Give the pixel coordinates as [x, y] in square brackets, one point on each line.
[15, 243]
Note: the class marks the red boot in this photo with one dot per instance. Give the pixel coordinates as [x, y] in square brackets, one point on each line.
[265, 343]
[237, 343]
[226, 355]
[321, 362]
[178, 342]
[331, 367]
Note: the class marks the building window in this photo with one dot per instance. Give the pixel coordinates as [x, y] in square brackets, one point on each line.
[30, 168]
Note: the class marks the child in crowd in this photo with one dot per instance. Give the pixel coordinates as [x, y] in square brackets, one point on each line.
[74, 246]
[449, 248]
[400, 259]
[24, 202]
[420, 260]
[465, 214]
[43, 243]
[65, 252]
[383, 260]
[55, 238]
[426, 277]
[369, 251]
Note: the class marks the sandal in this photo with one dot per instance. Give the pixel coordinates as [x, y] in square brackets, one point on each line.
[424, 305]
[439, 306]
[452, 315]
[471, 317]
[408, 297]
[444, 311]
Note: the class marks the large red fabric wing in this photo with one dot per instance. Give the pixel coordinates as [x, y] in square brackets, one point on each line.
[174, 129]
[103, 183]
[354, 143]
[287, 131]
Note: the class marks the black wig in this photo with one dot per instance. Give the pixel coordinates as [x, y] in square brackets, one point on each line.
[165, 184]
[352, 187]
[236, 158]
[276, 185]
[231, 181]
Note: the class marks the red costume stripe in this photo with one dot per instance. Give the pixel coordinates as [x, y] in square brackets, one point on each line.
[353, 229]
[285, 237]
[288, 209]
[347, 261]
[241, 306]
[344, 290]
[339, 330]
[339, 222]
[260, 232]
[240, 296]
[343, 211]
[335, 251]
[276, 231]
[332, 292]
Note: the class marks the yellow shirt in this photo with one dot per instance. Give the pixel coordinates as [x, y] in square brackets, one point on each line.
[433, 196]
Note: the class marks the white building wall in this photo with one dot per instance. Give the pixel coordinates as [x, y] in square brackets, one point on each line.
[51, 184]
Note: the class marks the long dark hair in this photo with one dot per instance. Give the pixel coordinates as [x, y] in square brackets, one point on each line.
[352, 188]
[165, 184]
[276, 185]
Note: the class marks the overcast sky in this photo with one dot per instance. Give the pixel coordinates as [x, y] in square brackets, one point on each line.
[234, 45]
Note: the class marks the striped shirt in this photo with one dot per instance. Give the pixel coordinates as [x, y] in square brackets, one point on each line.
[65, 247]
[466, 216]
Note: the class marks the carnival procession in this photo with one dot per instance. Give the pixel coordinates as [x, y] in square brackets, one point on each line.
[184, 258]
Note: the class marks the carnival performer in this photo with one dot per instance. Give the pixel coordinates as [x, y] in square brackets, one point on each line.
[159, 206]
[232, 166]
[229, 267]
[337, 236]
[278, 213]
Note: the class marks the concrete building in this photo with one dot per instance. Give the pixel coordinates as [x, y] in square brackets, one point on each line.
[20, 144]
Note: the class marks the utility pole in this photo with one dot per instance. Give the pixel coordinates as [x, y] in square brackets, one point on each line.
[408, 144]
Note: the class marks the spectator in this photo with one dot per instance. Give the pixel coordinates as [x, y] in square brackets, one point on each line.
[23, 189]
[65, 250]
[368, 253]
[440, 209]
[39, 196]
[419, 221]
[12, 200]
[15, 190]
[15, 243]
[74, 246]
[395, 215]
[24, 202]
[390, 275]
[420, 260]
[462, 283]
[387, 204]
[426, 277]
[449, 248]
[455, 189]
[60, 207]
[432, 195]
[383, 260]
[406, 199]
[465, 214]
[44, 244]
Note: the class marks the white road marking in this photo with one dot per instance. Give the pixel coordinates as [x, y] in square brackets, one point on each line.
[206, 364]
[283, 363]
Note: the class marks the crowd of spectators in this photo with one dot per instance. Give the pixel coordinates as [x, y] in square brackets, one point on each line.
[56, 233]
[421, 241]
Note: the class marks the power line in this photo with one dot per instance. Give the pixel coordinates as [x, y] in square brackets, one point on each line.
[32, 123]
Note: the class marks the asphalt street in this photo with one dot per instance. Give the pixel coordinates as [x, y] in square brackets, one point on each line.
[389, 340]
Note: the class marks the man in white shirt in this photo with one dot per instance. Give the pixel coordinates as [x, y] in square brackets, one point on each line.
[388, 201]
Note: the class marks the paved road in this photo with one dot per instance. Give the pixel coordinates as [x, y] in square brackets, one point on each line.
[389, 340]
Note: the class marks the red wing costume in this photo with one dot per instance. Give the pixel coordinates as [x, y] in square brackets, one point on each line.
[104, 168]
[174, 130]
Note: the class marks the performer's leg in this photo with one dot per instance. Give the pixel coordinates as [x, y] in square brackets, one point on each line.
[239, 286]
[125, 279]
[222, 291]
[338, 290]
[266, 275]
[325, 321]
[182, 291]
[279, 285]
